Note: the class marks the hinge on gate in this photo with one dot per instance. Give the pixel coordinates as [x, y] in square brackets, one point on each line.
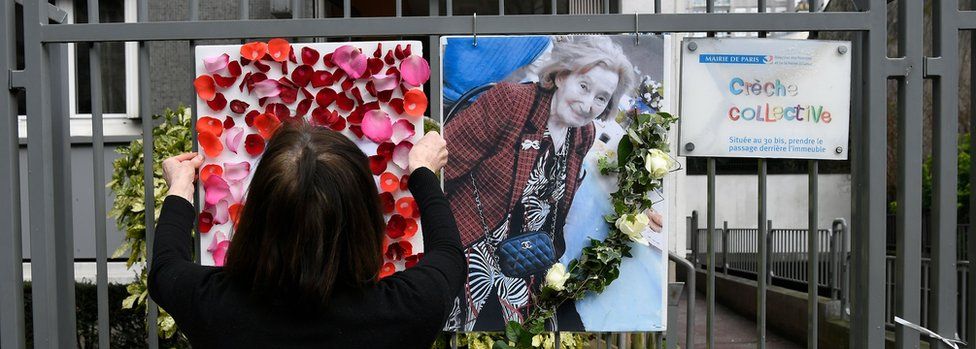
[932, 66]
[17, 79]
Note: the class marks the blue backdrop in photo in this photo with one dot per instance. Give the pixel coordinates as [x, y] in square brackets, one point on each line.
[467, 66]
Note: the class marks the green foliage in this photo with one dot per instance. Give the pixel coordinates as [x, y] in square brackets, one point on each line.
[171, 136]
[963, 189]
[599, 263]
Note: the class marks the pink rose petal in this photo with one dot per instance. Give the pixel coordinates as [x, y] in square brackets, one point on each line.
[414, 70]
[350, 60]
[402, 129]
[267, 88]
[219, 212]
[385, 82]
[216, 189]
[237, 191]
[233, 137]
[216, 63]
[401, 154]
[235, 172]
[218, 248]
[376, 126]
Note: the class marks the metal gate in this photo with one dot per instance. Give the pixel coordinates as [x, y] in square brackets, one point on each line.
[50, 204]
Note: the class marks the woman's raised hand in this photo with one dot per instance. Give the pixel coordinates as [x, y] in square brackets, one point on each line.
[179, 172]
[429, 152]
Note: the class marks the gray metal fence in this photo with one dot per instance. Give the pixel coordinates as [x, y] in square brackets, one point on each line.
[50, 207]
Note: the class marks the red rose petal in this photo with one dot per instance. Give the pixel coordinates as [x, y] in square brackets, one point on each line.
[235, 213]
[405, 206]
[325, 97]
[238, 107]
[309, 56]
[249, 118]
[404, 182]
[397, 105]
[386, 202]
[415, 102]
[264, 68]
[385, 96]
[224, 82]
[234, 68]
[254, 144]
[303, 107]
[356, 130]
[288, 94]
[385, 150]
[211, 169]
[371, 88]
[357, 95]
[398, 52]
[284, 68]
[339, 124]
[321, 78]
[344, 102]
[308, 95]
[266, 124]
[410, 228]
[218, 103]
[327, 60]
[291, 57]
[253, 50]
[377, 164]
[279, 49]
[262, 100]
[395, 227]
[205, 221]
[338, 75]
[399, 250]
[302, 75]
[387, 270]
[389, 58]
[206, 87]
[389, 182]
[411, 261]
[408, 51]
[279, 110]
[246, 81]
[374, 66]
[210, 125]
[348, 83]
[379, 50]
[228, 122]
[210, 143]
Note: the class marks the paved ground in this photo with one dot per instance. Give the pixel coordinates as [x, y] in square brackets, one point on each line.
[731, 330]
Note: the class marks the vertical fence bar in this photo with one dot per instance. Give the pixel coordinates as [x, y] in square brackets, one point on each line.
[145, 113]
[867, 327]
[49, 185]
[762, 270]
[908, 220]
[710, 279]
[813, 258]
[945, 94]
[971, 240]
[243, 11]
[194, 15]
[725, 247]
[98, 175]
[11, 256]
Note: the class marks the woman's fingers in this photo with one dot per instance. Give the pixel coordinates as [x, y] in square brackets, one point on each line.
[657, 221]
[185, 156]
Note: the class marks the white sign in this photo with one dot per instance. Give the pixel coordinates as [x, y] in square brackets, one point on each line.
[765, 98]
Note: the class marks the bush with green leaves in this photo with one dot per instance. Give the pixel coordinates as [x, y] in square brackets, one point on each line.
[171, 136]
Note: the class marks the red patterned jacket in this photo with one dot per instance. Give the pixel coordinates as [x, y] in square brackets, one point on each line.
[486, 141]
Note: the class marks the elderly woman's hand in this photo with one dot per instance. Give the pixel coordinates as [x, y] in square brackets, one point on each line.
[180, 172]
[430, 152]
[657, 221]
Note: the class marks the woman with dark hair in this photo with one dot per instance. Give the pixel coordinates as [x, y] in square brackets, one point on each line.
[303, 267]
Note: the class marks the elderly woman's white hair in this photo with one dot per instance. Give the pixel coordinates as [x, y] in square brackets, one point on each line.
[582, 53]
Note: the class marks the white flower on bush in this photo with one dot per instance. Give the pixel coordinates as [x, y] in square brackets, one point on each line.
[556, 277]
[633, 225]
[657, 163]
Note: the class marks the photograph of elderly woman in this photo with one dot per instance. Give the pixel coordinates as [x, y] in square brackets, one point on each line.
[527, 120]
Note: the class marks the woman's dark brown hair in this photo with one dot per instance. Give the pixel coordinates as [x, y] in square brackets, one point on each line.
[311, 220]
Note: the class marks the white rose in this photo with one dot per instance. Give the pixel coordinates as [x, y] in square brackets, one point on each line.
[556, 277]
[657, 163]
[633, 225]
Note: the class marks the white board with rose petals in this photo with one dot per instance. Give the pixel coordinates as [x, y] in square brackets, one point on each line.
[371, 92]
